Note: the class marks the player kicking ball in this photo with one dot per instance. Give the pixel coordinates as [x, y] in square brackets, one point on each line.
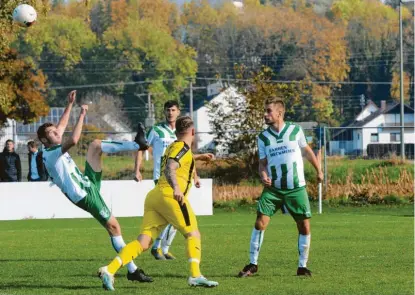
[84, 189]
[281, 169]
[166, 204]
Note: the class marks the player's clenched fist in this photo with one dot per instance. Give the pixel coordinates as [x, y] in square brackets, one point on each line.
[266, 181]
[72, 96]
[84, 109]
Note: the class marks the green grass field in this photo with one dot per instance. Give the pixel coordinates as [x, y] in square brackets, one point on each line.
[353, 251]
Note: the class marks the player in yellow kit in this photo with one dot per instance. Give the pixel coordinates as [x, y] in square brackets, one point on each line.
[166, 204]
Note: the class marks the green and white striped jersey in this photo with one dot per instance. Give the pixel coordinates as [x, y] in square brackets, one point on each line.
[160, 136]
[65, 174]
[283, 153]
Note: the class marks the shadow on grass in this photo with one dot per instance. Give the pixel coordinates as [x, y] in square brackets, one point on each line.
[55, 286]
[40, 286]
[49, 260]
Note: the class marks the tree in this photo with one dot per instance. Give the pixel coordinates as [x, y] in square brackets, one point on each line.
[296, 43]
[372, 36]
[57, 45]
[146, 52]
[22, 85]
[238, 120]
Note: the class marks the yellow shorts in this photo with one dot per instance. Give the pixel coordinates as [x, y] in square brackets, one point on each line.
[160, 210]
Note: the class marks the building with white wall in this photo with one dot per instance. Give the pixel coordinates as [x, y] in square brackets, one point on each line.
[374, 125]
[202, 115]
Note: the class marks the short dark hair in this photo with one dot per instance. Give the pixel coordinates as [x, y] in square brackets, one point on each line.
[41, 131]
[183, 124]
[5, 145]
[32, 144]
[171, 103]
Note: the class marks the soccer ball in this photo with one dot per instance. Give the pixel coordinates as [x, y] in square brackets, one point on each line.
[24, 15]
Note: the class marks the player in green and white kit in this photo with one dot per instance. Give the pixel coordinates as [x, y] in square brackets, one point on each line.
[160, 136]
[83, 190]
[281, 169]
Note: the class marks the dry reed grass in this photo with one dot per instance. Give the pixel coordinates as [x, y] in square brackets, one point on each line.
[374, 184]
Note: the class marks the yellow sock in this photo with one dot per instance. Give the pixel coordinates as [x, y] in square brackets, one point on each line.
[194, 253]
[127, 254]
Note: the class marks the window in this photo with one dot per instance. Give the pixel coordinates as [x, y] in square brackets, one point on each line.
[374, 137]
[395, 137]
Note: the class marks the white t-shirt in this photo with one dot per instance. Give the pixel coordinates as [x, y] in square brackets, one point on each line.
[65, 174]
[283, 153]
[160, 137]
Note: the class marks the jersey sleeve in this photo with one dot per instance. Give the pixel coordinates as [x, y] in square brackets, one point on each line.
[177, 152]
[302, 142]
[151, 136]
[51, 155]
[261, 148]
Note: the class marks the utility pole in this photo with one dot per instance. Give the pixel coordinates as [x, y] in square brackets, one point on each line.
[401, 74]
[151, 115]
[401, 83]
[191, 88]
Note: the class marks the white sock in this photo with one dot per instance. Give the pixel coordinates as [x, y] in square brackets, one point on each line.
[168, 239]
[157, 242]
[257, 237]
[303, 249]
[118, 243]
[109, 146]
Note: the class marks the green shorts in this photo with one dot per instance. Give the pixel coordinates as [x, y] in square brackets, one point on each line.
[93, 202]
[295, 200]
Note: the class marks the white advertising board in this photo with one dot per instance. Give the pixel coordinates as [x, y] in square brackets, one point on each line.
[40, 200]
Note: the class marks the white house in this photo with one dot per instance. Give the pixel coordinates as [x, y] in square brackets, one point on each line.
[374, 125]
[202, 113]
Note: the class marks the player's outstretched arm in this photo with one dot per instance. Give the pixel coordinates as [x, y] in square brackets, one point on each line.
[170, 173]
[63, 122]
[204, 157]
[310, 156]
[76, 134]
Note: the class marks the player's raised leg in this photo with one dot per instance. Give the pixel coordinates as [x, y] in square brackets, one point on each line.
[97, 207]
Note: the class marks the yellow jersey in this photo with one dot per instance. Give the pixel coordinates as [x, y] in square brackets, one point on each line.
[180, 152]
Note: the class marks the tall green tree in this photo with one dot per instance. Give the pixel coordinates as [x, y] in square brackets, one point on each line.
[57, 45]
